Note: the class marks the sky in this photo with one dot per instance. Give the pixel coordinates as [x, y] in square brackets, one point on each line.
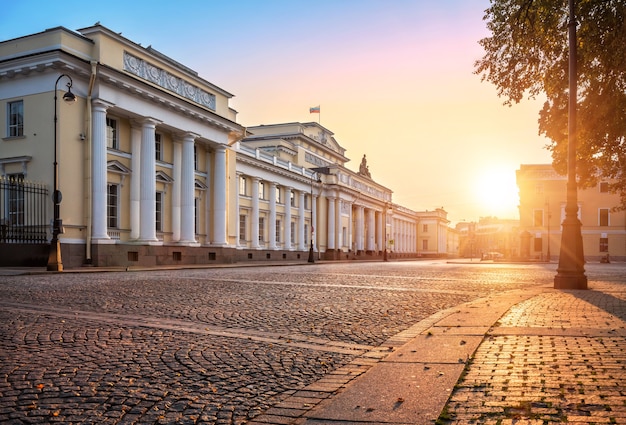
[393, 78]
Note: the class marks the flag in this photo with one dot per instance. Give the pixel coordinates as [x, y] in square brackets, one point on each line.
[314, 110]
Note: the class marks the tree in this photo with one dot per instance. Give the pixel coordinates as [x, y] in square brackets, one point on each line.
[527, 56]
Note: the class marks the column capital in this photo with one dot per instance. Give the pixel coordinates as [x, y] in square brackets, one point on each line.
[101, 104]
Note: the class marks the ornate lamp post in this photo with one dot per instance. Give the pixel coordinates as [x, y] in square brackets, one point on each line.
[571, 271]
[55, 262]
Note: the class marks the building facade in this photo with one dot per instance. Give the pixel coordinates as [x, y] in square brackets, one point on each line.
[542, 210]
[155, 170]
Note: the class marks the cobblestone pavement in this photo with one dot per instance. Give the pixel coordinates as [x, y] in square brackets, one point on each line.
[218, 345]
[559, 357]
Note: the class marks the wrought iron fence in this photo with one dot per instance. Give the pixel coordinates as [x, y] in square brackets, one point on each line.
[23, 211]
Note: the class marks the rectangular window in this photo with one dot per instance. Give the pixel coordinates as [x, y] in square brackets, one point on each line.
[538, 218]
[242, 185]
[604, 187]
[604, 244]
[112, 142]
[307, 202]
[113, 207]
[538, 244]
[158, 147]
[278, 200]
[293, 233]
[15, 117]
[242, 227]
[278, 231]
[195, 157]
[196, 215]
[604, 217]
[159, 211]
[16, 199]
[292, 197]
[261, 229]
[261, 190]
[425, 228]
[425, 244]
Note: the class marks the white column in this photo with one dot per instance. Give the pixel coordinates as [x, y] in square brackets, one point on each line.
[314, 222]
[331, 223]
[135, 180]
[371, 230]
[99, 171]
[380, 231]
[188, 220]
[219, 197]
[176, 188]
[338, 223]
[239, 236]
[208, 199]
[254, 220]
[301, 221]
[360, 227]
[351, 244]
[272, 223]
[147, 227]
[287, 218]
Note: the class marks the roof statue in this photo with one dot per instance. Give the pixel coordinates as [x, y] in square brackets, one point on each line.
[364, 169]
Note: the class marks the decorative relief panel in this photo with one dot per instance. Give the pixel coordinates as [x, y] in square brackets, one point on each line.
[162, 78]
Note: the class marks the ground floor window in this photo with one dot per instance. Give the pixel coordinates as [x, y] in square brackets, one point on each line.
[538, 244]
[278, 231]
[261, 229]
[159, 212]
[242, 227]
[113, 196]
[604, 244]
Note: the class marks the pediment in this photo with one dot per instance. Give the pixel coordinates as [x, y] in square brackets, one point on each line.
[118, 168]
[163, 177]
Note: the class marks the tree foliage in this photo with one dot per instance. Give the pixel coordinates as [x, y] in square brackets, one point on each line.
[527, 55]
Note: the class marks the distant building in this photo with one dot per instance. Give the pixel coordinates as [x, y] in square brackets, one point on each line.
[491, 238]
[155, 170]
[542, 210]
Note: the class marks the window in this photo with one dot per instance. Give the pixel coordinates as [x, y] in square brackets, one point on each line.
[604, 187]
[538, 218]
[261, 229]
[242, 227]
[604, 217]
[278, 223]
[278, 200]
[604, 244]
[158, 147]
[15, 117]
[293, 232]
[425, 244]
[159, 212]
[307, 202]
[195, 157]
[242, 185]
[16, 199]
[538, 244]
[113, 196]
[261, 190]
[425, 228]
[292, 197]
[539, 189]
[112, 142]
[196, 215]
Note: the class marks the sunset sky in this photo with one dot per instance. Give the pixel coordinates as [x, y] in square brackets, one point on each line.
[393, 79]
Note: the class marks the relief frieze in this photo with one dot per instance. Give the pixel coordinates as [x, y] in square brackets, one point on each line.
[164, 79]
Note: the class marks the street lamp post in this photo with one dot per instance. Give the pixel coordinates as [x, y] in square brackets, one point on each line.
[55, 262]
[571, 271]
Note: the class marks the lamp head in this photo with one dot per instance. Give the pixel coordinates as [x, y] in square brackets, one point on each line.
[69, 97]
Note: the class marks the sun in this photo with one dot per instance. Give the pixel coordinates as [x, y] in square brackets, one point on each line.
[496, 192]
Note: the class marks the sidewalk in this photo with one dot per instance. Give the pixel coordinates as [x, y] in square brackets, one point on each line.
[535, 356]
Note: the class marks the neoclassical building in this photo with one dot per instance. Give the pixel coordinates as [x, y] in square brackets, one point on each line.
[155, 170]
[542, 193]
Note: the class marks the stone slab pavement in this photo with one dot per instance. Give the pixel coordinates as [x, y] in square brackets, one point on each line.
[536, 356]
